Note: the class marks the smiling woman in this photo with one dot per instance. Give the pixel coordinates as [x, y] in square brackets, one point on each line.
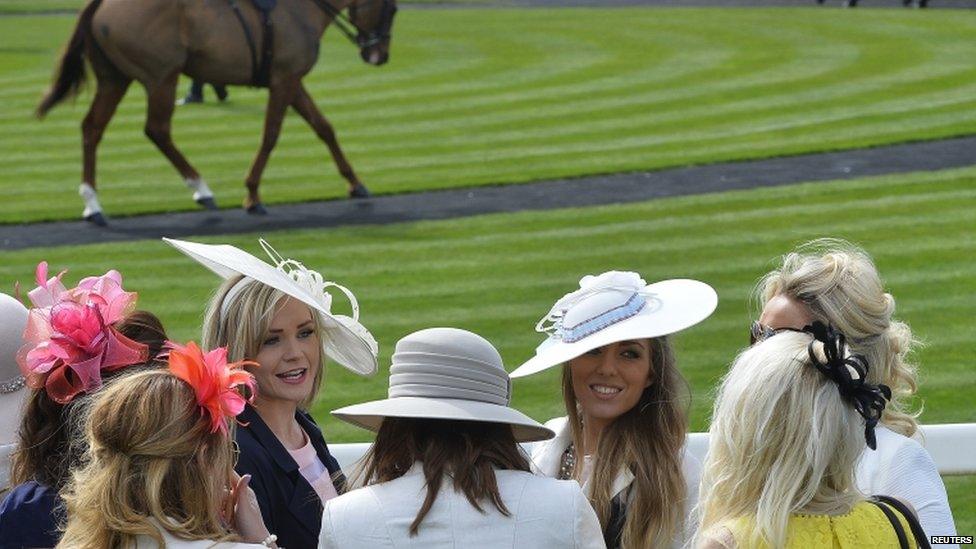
[623, 439]
[280, 317]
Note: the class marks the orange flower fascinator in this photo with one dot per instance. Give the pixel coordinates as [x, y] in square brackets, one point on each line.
[216, 383]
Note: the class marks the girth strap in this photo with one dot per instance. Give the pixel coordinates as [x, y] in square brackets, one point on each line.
[260, 70]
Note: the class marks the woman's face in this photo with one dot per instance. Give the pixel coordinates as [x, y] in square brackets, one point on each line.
[289, 354]
[783, 311]
[608, 381]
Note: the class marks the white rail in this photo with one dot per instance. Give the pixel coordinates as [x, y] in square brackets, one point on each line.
[952, 446]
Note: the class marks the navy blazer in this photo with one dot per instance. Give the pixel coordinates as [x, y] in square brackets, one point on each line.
[30, 515]
[290, 507]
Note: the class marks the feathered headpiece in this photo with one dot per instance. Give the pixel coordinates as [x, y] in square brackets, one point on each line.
[70, 334]
[215, 381]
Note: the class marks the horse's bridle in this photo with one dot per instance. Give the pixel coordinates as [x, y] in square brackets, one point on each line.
[359, 37]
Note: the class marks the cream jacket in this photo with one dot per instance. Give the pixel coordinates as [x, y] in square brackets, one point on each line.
[545, 513]
[547, 458]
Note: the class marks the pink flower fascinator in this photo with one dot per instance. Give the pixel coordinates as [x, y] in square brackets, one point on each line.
[215, 381]
[70, 335]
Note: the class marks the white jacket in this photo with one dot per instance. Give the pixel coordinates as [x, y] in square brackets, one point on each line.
[547, 458]
[545, 513]
[901, 467]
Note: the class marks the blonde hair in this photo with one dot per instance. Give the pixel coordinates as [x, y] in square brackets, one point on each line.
[782, 440]
[243, 324]
[153, 463]
[841, 286]
[648, 440]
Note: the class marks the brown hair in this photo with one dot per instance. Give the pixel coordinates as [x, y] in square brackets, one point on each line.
[154, 462]
[49, 438]
[468, 451]
[648, 440]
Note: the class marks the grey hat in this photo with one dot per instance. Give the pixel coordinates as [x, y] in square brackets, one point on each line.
[446, 373]
[13, 390]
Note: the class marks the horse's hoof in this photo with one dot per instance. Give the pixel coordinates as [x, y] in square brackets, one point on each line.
[257, 209]
[359, 191]
[97, 218]
[207, 203]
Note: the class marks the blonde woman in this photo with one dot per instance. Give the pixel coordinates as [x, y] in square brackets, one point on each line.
[623, 439]
[835, 282]
[280, 316]
[161, 461]
[790, 420]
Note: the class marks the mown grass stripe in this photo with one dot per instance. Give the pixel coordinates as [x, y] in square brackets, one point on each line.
[510, 100]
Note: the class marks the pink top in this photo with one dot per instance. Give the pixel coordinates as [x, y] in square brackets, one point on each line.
[311, 467]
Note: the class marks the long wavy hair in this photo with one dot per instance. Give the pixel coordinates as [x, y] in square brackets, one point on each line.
[154, 463]
[782, 441]
[49, 437]
[841, 286]
[465, 453]
[243, 324]
[648, 440]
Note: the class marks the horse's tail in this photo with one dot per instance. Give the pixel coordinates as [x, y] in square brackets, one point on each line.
[71, 72]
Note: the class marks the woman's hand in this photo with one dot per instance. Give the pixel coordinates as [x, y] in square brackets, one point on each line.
[244, 512]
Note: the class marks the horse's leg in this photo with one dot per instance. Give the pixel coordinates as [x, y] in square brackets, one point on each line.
[306, 107]
[161, 99]
[107, 97]
[280, 95]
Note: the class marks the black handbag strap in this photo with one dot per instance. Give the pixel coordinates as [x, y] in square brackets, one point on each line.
[920, 538]
[895, 523]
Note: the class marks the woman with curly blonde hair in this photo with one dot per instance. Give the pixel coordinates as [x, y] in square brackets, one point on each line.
[160, 470]
[837, 283]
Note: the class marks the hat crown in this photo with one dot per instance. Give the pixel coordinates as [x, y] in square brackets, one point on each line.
[595, 305]
[449, 363]
[13, 320]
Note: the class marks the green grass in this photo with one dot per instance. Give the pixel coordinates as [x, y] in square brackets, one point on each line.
[504, 96]
[54, 6]
[497, 274]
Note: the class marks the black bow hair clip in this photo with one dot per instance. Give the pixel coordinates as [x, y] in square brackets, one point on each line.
[849, 371]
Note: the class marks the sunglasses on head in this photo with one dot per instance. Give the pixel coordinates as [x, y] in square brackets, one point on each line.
[760, 332]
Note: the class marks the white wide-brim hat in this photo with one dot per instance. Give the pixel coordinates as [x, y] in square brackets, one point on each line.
[346, 341]
[13, 387]
[446, 373]
[617, 306]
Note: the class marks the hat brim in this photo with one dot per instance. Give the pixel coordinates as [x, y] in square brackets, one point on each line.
[679, 304]
[228, 261]
[370, 415]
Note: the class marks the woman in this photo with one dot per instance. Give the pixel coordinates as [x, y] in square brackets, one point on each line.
[13, 387]
[626, 402]
[790, 420]
[74, 341]
[836, 283]
[280, 317]
[446, 469]
[161, 461]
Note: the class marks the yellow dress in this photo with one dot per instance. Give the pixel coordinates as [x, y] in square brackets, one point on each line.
[863, 527]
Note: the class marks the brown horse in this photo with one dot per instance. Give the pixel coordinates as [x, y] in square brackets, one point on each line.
[153, 41]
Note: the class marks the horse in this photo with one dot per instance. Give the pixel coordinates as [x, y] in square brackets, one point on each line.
[217, 41]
